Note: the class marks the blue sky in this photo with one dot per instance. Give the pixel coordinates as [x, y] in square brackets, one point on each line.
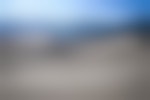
[111, 12]
[66, 10]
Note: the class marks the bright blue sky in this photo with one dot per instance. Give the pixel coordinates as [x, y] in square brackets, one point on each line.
[66, 10]
[63, 11]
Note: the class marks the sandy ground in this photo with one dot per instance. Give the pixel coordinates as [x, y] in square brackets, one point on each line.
[99, 70]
